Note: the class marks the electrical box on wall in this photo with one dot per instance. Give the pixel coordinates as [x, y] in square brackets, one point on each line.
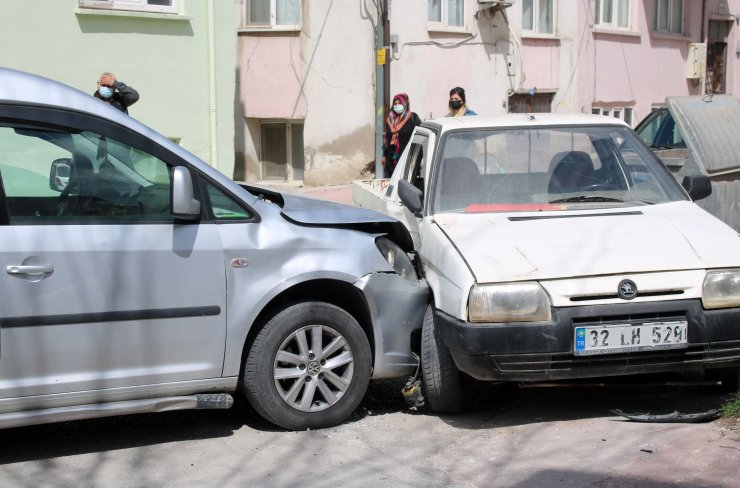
[696, 60]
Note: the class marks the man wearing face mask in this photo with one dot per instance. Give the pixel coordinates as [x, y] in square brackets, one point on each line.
[115, 92]
[398, 128]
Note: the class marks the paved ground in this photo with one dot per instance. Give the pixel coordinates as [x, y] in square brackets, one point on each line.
[535, 437]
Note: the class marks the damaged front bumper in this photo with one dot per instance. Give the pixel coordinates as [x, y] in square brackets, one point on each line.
[542, 351]
[396, 308]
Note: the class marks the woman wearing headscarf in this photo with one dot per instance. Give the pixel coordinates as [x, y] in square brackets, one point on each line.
[398, 128]
[458, 105]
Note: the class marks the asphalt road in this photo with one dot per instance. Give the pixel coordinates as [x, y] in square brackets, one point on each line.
[519, 437]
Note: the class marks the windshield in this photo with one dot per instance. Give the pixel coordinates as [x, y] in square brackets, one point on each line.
[548, 169]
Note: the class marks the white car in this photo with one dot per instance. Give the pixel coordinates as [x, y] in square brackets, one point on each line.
[557, 247]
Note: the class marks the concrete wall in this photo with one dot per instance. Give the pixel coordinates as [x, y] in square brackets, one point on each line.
[322, 76]
[186, 92]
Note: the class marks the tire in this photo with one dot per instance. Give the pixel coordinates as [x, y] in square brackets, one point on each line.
[441, 380]
[316, 388]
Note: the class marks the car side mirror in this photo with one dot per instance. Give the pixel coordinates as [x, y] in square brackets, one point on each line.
[184, 204]
[697, 187]
[411, 197]
[59, 173]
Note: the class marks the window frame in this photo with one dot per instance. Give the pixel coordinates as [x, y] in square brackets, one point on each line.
[613, 24]
[671, 7]
[272, 23]
[535, 17]
[444, 19]
[288, 126]
[625, 113]
[130, 6]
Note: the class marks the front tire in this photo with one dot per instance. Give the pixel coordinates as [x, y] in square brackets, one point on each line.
[441, 379]
[309, 367]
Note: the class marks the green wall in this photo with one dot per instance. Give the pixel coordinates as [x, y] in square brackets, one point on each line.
[186, 94]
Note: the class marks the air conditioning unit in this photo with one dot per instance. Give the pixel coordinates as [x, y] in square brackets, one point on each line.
[497, 4]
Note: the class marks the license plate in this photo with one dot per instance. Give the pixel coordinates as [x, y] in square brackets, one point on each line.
[617, 338]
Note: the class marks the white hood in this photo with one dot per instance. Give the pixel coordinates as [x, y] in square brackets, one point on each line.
[672, 236]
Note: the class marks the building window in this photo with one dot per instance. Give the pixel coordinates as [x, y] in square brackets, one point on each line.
[537, 16]
[281, 145]
[165, 6]
[624, 114]
[447, 12]
[524, 103]
[668, 16]
[274, 13]
[614, 14]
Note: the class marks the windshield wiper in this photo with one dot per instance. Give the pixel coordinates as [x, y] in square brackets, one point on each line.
[585, 198]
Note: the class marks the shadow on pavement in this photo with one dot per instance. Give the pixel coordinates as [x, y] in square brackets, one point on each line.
[492, 405]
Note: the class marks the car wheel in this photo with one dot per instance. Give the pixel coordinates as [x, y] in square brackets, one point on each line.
[309, 367]
[441, 379]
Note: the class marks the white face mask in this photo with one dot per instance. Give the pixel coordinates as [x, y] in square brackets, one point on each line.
[399, 109]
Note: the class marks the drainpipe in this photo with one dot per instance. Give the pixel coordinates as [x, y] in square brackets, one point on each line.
[213, 142]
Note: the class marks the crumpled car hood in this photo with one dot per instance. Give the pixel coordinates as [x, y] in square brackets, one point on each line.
[502, 247]
[321, 213]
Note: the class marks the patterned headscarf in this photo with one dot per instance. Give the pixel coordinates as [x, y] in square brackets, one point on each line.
[396, 122]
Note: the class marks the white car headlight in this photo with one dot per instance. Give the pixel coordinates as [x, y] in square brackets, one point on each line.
[397, 258]
[721, 289]
[509, 302]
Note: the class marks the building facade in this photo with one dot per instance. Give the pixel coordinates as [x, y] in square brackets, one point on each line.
[307, 75]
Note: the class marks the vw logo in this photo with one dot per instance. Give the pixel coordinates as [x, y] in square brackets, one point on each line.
[627, 289]
[313, 368]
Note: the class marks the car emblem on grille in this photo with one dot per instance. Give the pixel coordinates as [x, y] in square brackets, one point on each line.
[627, 289]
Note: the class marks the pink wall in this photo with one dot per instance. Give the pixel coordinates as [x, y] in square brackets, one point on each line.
[268, 83]
[541, 58]
[640, 68]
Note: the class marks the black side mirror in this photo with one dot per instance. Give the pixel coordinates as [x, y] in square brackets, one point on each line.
[411, 197]
[697, 187]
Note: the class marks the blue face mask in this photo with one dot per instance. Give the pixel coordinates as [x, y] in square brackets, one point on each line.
[105, 91]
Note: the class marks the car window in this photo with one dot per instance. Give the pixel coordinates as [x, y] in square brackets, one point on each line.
[548, 169]
[224, 207]
[415, 168]
[51, 175]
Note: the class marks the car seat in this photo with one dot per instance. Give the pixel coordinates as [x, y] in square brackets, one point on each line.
[459, 184]
[571, 171]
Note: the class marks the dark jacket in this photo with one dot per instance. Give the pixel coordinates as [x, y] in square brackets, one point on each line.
[122, 98]
[404, 135]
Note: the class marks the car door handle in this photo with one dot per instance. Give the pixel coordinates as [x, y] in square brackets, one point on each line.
[36, 269]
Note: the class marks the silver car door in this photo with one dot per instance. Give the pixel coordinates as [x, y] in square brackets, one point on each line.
[102, 288]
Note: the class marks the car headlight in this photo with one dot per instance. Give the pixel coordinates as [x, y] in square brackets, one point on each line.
[509, 302]
[721, 289]
[397, 258]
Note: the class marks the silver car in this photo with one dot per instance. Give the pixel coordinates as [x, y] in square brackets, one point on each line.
[146, 280]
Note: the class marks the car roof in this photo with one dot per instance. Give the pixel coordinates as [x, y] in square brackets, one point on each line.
[27, 88]
[522, 120]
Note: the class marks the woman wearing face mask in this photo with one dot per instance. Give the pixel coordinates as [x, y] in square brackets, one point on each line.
[398, 128]
[457, 103]
[115, 92]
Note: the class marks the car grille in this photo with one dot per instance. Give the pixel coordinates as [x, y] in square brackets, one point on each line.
[702, 354]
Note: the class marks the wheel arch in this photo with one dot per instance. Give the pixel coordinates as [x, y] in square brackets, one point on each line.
[339, 293]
